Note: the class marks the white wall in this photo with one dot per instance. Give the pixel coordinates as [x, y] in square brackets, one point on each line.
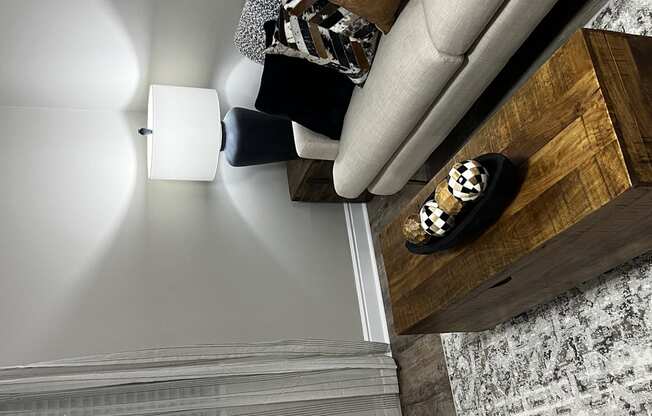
[94, 258]
[192, 45]
[103, 54]
[239, 86]
[73, 53]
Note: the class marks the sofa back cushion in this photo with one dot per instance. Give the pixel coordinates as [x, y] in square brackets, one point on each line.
[407, 76]
[455, 25]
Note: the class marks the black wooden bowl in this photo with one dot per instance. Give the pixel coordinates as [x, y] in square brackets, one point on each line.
[479, 215]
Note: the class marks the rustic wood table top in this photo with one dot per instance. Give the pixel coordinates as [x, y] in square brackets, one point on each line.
[580, 132]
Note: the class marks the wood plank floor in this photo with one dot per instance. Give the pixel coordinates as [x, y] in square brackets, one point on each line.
[423, 377]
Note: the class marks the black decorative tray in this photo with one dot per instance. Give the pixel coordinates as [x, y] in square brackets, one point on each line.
[477, 216]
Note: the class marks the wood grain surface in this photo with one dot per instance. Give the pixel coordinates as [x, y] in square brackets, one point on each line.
[580, 131]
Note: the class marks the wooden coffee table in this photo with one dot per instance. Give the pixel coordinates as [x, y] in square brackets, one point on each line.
[580, 131]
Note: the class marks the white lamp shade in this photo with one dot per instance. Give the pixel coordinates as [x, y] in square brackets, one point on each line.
[186, 133]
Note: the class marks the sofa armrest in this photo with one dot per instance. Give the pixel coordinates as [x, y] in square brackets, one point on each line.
[311, 145]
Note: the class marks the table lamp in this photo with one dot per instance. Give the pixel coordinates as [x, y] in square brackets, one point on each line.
[184, 133]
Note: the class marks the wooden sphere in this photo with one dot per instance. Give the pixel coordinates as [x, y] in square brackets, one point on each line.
[446, 200]
[412, 230]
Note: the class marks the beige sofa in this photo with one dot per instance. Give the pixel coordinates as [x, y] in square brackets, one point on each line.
[429, 70]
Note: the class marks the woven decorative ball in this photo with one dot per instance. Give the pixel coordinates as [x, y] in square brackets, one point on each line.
[413, 232]
[467, 180]
[434, 220]
[446, 200]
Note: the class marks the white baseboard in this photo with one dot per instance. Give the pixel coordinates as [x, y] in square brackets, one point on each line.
[370, 300]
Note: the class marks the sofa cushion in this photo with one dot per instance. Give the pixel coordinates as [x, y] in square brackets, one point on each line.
[311, 145]
[311, 95]
[455, 25]
[408, 74]
[505, 35]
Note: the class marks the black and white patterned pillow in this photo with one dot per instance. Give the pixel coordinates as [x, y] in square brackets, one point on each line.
[326, 34]
[249, 36]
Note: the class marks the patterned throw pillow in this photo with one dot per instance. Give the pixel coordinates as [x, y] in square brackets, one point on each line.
[326, 34]
[249, 36]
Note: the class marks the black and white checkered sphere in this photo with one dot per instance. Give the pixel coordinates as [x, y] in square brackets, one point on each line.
[434, 220]
[467, 180]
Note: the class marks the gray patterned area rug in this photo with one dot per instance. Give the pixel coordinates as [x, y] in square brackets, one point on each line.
[589, 352]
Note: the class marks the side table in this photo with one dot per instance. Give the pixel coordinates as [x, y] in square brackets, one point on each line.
[312, 181]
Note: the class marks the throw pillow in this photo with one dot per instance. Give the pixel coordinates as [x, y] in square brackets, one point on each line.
[327, 35]
[382, 13]
[249, 36]
[314, 96]
[270, 29]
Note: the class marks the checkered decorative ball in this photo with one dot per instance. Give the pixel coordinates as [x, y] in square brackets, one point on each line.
[467, 180]
[434, 220]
